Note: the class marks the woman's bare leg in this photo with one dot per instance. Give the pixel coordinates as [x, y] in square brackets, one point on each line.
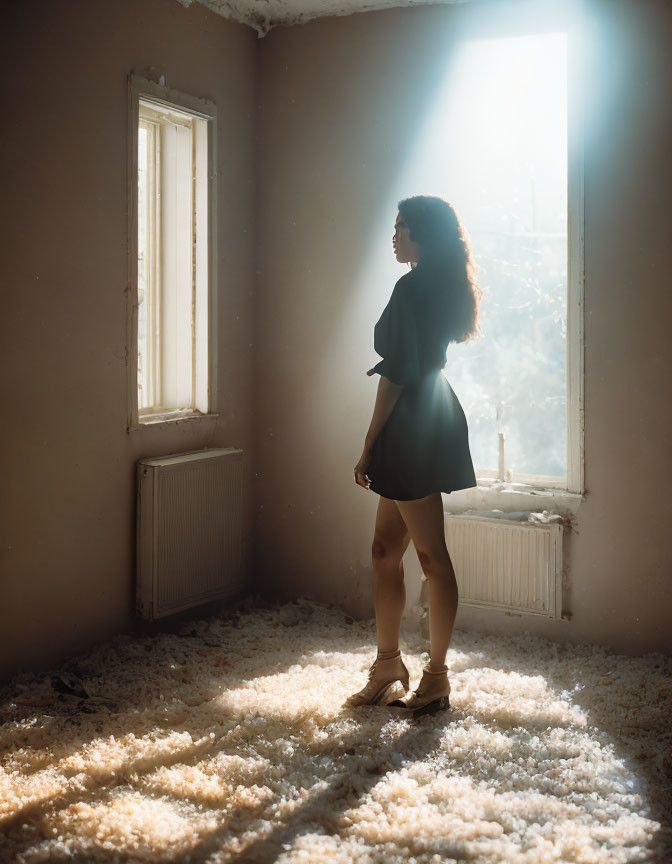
[390, 541]
[424, 521]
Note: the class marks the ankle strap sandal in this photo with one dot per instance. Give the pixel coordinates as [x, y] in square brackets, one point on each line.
[388, 679]
[432, 694]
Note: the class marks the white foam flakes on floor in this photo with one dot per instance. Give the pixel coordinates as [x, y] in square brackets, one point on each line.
[227, 741]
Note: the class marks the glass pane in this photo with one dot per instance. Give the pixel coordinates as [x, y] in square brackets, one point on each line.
[495, 146]
[143, 198]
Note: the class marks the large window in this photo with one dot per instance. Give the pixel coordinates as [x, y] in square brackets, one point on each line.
[173, 240]
[496, 146]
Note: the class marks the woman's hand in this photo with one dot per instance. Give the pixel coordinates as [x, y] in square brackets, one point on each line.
[360, 468]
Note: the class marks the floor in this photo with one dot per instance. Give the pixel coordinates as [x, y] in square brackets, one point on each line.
[226, 740]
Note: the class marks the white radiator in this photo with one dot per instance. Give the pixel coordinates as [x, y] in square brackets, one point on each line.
[189, 530]
[507, 565]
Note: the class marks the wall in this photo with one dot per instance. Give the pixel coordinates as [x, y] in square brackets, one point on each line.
[68, 502]
[340, 102]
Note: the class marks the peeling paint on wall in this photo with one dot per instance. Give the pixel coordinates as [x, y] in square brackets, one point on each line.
[263, 15]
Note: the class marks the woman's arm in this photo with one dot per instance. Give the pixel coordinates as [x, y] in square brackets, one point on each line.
[386, 399]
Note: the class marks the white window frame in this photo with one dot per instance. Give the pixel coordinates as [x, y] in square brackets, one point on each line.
[493, 492]
[206, 349]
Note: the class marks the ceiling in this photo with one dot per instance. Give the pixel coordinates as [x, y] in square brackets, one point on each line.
[263, 15]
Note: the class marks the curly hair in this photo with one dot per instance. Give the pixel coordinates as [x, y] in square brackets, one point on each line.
[434, 225]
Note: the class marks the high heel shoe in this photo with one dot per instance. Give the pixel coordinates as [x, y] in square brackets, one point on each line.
[432, 694]
[387, 672]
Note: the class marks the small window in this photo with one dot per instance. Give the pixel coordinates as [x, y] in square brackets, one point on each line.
[174, 258]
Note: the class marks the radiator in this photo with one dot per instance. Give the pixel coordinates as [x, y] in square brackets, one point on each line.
[507, 565]
[189, 530]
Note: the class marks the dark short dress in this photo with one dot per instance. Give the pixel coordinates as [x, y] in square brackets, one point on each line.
[424, 445]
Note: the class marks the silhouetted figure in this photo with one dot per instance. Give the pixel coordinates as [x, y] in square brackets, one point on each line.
[417, 445]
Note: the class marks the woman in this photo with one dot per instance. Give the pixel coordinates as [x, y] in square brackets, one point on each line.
[417, 445]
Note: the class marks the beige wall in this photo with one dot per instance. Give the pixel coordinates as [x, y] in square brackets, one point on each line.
[68, 501]
[340, 100]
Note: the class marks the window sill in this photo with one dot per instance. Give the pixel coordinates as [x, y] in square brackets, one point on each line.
[169, 419]
[502, 497]
[499, 486]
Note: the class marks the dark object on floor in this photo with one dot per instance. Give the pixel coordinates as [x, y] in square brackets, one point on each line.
[70, 687]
